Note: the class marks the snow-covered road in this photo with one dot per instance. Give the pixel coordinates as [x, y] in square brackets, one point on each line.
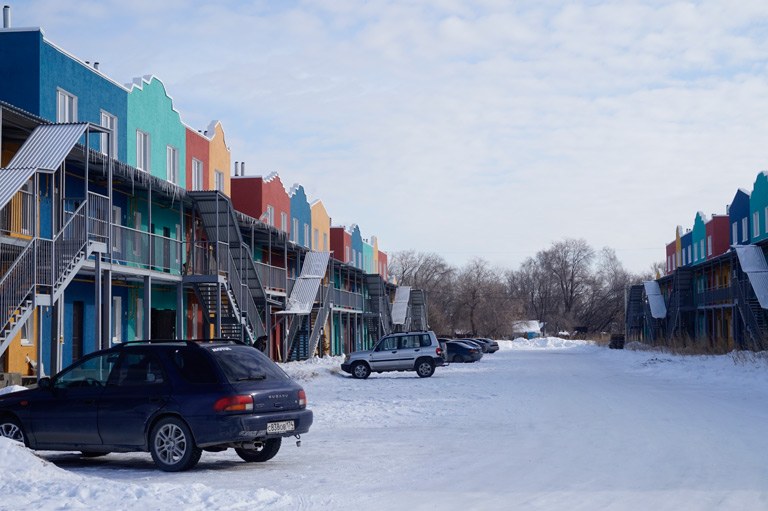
[544, 425]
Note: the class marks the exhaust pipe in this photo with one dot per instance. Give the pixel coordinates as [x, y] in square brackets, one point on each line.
[6, 16]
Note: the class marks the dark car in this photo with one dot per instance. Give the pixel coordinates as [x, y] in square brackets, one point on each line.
[491, 346]
[474, 342]
[461, 351]
[171, 398]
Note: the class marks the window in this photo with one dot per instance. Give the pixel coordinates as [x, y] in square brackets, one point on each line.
[295, 231]
[689, 255]
[219, 181]
[315, 239]
[360, 260]
[354, 257]
[117, 232]
[755, 224]
[735, 232]
[142, 151]
[709, 245]
[696, 252]
[346, 254]
[325, 242]
[766, 219]
[283, 222]
[701, 248]
[138, 369]
[306, 235]
[86, 373]
[387, 344]
[140, 318]
[744, 229]
[117, 319]
[109, 121]
[197, 174]
[66, 106]
[271, 215]
[172, 164]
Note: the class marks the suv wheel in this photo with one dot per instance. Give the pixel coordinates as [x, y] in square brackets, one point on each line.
[264, 453]
[172, 447]
[361, 370]
[425, 368]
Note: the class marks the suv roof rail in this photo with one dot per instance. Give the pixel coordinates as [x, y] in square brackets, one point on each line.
[189, 342]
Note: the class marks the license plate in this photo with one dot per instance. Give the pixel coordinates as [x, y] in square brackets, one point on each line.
[280, 427]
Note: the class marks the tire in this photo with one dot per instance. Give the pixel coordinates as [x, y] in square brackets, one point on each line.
[172, 446]
[264, 453]
[10, 427]
[360, 370]
[425, 368]
[457, 358]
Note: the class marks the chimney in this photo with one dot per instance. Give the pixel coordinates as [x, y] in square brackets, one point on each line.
[237, 167]
[6, 16]
[242, 169]
[96, 66]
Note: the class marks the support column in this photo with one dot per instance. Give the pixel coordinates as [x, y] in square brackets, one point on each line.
[97, 299]
[180, 312]
[106, 310]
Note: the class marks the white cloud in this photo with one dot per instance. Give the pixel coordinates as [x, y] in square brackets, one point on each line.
[484, 128]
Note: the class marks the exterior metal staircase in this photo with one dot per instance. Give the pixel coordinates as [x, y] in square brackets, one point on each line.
[380, 313]
[680, 303]
[247, 299]
[419, 310]
[634, 313]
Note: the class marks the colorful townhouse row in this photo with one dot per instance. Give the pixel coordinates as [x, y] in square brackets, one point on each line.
[714, 293]
[119, 222]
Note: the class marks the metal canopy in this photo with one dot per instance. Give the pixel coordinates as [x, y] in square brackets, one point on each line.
[400, 307]
[45, 149]
[753, 263]
[304, 291]
[655, 299]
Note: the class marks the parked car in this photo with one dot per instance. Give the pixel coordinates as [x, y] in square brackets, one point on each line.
[474, 342]
[174, 399]
[491, 346]
[462, 351]
[407, 351]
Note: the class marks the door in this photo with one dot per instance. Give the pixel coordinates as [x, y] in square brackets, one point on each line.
[137, 389]
[385, 355]
[77, 330]
[68, 414]
[163, 324]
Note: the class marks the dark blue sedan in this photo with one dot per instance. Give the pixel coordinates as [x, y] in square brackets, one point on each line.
[461, 351]
[171, 398]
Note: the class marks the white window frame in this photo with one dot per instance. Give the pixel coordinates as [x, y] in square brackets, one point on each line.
[346, 254]
[143, 151]
[66, 106]
[117, 234]
[109, 121]
[172, 164]
[315, 239]
[755, 224]
[709, 245]
[219, 180]
[701, 249]
[325, 242]
[283, 221]
[197, 174]
[295, 230]
[271, 215]
[306, 235]
[735, 232]
[745, 229]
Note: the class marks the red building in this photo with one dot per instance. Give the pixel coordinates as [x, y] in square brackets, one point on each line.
[383, 268]
[670, 261]
[264, 198]
[198, 164]
[341, 244]
[718, 235]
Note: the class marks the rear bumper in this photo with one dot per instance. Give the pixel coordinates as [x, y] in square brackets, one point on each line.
[232, 429]
[347, 368]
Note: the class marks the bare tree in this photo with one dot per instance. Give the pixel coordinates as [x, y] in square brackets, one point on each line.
[570, 262]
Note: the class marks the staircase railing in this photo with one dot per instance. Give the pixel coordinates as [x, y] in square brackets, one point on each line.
[322, 316]
[752, 327]
[18, 284]
[244, 297]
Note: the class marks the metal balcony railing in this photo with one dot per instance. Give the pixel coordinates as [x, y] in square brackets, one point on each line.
[17, 284]
[17, 216]
[347, 299]
[271, 277]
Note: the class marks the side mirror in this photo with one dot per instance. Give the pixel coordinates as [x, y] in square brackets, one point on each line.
[44, 383]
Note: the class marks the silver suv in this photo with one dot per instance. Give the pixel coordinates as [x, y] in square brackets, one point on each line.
[407, 351]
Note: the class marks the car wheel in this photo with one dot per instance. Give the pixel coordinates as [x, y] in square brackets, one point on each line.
[172, 447]
[457, 358]
[425, 368]
[10, 427]
[266, 452]
[361, 370]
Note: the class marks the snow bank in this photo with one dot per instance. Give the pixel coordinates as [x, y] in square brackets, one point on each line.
[11, 388]
[544, 343]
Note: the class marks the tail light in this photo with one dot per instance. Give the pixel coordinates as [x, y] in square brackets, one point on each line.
[234, 404]
[439, 351]
[302, 399]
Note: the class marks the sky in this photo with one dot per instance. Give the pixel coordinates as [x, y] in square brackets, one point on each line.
[469, 129]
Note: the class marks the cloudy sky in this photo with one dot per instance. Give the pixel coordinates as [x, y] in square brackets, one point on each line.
[487, 128]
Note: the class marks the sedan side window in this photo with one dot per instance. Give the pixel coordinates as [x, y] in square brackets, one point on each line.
[91, 372]
[139, 369]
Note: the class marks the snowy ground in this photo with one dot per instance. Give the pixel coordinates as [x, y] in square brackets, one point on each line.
[547, 424]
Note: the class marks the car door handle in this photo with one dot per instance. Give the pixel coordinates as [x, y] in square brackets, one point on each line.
[394, 351]
[417, 349]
